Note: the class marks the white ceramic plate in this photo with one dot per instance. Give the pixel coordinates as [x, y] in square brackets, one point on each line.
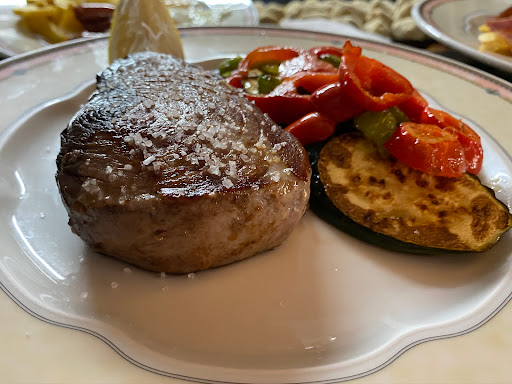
[15, 40]
[455, 23]
[320, 308]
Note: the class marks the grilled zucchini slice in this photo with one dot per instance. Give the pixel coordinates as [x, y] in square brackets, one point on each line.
[384, 202]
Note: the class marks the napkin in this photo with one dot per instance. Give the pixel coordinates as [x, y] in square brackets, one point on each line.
[330, 26]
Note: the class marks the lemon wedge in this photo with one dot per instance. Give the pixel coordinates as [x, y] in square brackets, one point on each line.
[143, 25]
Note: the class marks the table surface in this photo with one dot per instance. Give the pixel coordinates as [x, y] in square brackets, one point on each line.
[481, 356]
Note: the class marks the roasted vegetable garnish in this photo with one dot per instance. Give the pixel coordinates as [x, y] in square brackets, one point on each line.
[388, 197]
[228, 66]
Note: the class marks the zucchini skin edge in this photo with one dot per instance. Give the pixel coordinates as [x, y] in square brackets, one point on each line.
[322, 207]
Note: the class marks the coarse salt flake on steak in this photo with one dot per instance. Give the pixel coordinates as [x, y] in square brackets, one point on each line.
[169, 168]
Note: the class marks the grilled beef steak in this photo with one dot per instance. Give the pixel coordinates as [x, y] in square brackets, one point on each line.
[171, 169]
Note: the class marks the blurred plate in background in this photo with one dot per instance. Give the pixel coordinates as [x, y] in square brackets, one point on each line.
[455, 23]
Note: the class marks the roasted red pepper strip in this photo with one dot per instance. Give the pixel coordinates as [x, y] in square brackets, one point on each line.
[370, 83]
[283, 109]
[312, 128]
[305, 82]
[335, 103]
[307, 62]
[319, 51]
[267, 54]
[290, 100]
[428, 148]
[414, 107]
[468, 138]
[261, 56]
[349, 49]
[292, 61]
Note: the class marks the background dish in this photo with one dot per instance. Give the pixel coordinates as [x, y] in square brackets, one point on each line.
[328, 307]
[14, 40]
[455, 23]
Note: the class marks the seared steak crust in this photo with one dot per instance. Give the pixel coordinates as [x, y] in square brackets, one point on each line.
[173, 170]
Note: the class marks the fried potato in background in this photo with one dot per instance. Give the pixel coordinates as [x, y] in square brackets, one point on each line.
[56, 20]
